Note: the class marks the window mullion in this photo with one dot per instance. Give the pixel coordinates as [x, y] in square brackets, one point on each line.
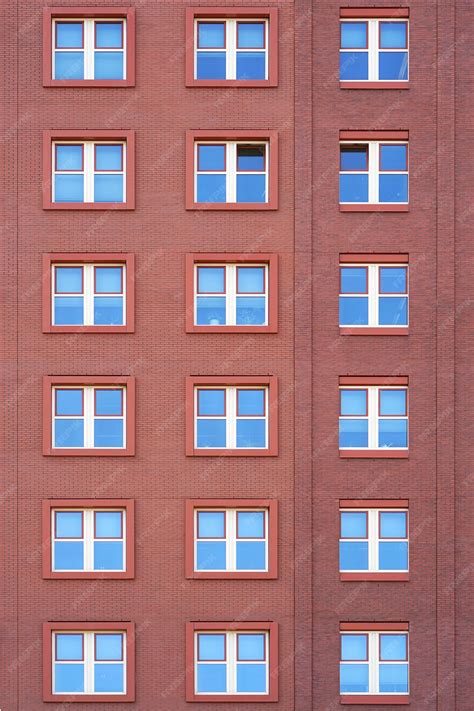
[231, 298]
[373, 663]
[88, 540]
[373, 417]
[373, 172]
[231, 638]
[88, 171]
[88, 294]
[373, 294]
[231, 172]
[231, 412]
[231, 541]
[89, 417]
[89, 49]
[89, 662]
[372, 534]
[373, 50]
[231, 49]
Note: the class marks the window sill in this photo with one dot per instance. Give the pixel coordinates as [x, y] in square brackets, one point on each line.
[88, 329]
[236, 575]
[373, 207]
[87, 83]
[383, 577]
[232, 453]
[227, 83]
[89, 206]
[89, 452]
[89, 575]
[232, 206]
[373, 453]
[224, 698]
[376, 699]
[373, 331]
[231, 329]
[374, 84]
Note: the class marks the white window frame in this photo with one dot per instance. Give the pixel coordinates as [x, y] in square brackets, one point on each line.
[373, 50]
[374, 662]
[373, 416]
[231, 294]
[231, 539]
[88, 169]
[231, 171]
[373, 294]
[230, 47]
[88, 538]
[231, 415]
[89, 414]
[231, 662]
[373, 539]
[373, 170]
[89, 47]
[89, 661]
[88, 293]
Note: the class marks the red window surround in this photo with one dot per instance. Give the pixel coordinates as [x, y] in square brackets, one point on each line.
[89, 135]
[89, 258]
[49, 381]
[50, 627]
[50, 13]
[193, 13]
[270, 504]
[270, 136]
[270, 381]
[128, 505]
[240, 258]
[270, 627]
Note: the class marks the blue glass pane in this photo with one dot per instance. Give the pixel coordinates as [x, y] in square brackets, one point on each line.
[108, 65]
[251, 647]
[393, 157]
[68, 678]
[211, 280]
[250, 311]
[353, 188]
[68, 280]
[108, 677]
[353, 66]
[211, 157]
[108, 555]
[251, 555]
[108, 402]
[69, 433]
[108, 311]
[69, 157]
[251, 188]
[211, 555]
[353, 555]
[211, 34]
[108, 188]
[68, 524]
[393, 647]
[354, 157]
[393, 678]
[211, 524]
[393, 402]
[211, 311]
[251, 433]
[393, 188]
[353, 280]
[69, 647]
[354, 678]
[393, 66]
[393, 433]
[108, 280]
[211, 188]
[68, 311]
[211, 433]
[211, 402]
[250, 524]
[108, 524]
[250, 35]
[250, 65]
[353, 433]
[211, 678]
[69, 65]
[353, 524]
[68, 188]
[393, 311]
[250, 280]
[353, 311]
[69, 402]
[250, 158]
[108, 433]
[393, 35]
[211, 65]
[251, 678]
[393, 524]
[353, 35]
[353, 402]
[393, 280]
[108, 34]
[354, 647]
[393, 555]
[211, 646]
[108, 157]
[250, 402]
[69, 34]
[108, 646]
[68, 555]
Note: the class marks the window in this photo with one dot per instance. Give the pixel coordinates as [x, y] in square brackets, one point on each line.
[238, 49]
[373, 417]
[89, 415]
[89, 661]
[232, 174]
[232, 293]
[373, 297]
[231, 538]
[232, 416]
[373, 543]
[374, 662]
[232, 661]
[373, 173]
[85, 48]
[89, 293]
[374, 50]
[88, 538]
[97, 173]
